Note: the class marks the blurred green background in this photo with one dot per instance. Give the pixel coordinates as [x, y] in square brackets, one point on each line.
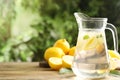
[28, 27]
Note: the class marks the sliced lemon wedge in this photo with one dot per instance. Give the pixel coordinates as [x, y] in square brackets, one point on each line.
[114, 54]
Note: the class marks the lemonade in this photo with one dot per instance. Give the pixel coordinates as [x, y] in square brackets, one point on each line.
[90, 58]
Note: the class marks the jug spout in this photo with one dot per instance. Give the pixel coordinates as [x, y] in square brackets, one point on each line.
[80, 16]
[86, 22]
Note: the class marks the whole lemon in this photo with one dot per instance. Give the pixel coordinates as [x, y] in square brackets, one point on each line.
[63, 44]
[72, 51]
[53, 52]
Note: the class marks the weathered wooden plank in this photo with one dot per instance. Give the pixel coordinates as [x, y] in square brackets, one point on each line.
[24, 66]
[32, 71]
[26, 71]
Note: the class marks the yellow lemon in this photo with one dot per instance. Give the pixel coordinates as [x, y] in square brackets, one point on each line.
[53, 52]
[67, 61]
[55, 63]
[90, 44]
[99, 48]
[72, 51]
[113, 63]
[63, 44]
[113, 54]
[102, 71]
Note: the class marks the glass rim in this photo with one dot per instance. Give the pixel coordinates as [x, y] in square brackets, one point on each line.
[85, 17]
[95, 19]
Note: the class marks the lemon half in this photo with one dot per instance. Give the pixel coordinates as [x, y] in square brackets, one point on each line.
[55, 63]
[67, 61]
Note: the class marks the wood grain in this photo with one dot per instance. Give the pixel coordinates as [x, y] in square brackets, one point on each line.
[27, 71]
[32, 71]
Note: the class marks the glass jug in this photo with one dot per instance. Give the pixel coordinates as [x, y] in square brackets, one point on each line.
[91, 58]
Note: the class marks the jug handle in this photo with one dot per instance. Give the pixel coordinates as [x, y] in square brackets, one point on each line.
[113, 29]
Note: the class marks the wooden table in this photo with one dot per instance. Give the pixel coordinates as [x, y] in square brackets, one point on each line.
[32, 71]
